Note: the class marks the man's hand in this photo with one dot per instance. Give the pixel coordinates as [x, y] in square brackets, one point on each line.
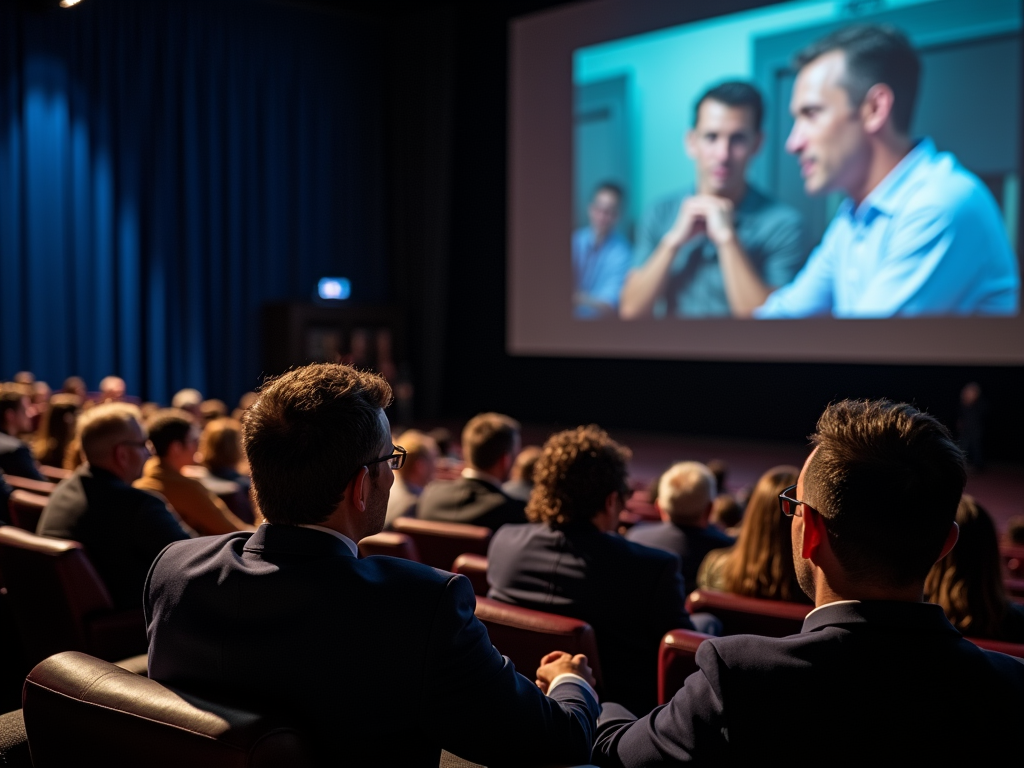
[715, 217]
[689, 223]
[561, 663]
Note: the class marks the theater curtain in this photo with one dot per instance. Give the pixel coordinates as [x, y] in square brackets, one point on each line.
[166, 168]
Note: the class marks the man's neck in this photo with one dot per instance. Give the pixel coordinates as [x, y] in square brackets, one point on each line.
[885, 155]
[734, 195]
[856, 589]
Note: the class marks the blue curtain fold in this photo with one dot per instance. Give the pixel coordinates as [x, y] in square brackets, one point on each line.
[169, 166]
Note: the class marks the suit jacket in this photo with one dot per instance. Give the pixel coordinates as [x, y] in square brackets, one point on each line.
[469, 500]
[121, 528]
[868, 683]
[381, 659]
[16, 458]
[630, 594]
[689, 543]
[5, 495]
[201, 510]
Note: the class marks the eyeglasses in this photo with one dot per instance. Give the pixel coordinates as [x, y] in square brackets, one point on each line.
[395, 460]
[788, 503]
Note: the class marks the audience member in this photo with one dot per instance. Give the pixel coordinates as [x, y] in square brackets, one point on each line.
[1015, 530]
[720, 469]
[190, 401]
[490, 443]
[220, 446]
[685, 497]
[875, 670]
[212, 409]
[75, 385]
[244, 404]
[968, 581]
[175, 439]
[420, 465]
[520, 480]
[321, 471]
[727, 514]
[569, 561]
[971, 425]
[761, 562]
[15, 456]
[112, 389]
[121, 528]
[56, 429]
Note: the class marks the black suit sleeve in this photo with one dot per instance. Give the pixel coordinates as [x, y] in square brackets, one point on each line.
[690, 728]
[472, 700]
[154, 526]
[21, 464]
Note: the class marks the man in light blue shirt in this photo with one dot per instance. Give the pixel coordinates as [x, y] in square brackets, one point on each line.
[918, 234]
[600, 257]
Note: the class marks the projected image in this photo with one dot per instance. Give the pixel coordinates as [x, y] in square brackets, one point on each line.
[845, 159]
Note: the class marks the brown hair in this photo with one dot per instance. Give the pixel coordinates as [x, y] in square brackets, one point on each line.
[56, 428]
[308, 434]
[487, 437]
[886, 478]
[968, 582]
[101, 427]
[761, 563]
[574, 475]
[166, 426]
[221, 443]
[525, 463]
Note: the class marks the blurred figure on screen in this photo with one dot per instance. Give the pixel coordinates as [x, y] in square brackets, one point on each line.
[918, 234]
[710, 251]
[600, 256]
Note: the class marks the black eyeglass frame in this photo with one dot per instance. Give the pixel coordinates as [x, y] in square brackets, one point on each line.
[785, 500]
[395, 459]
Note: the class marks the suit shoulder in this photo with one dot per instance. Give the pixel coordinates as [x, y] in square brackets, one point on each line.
[641, 554]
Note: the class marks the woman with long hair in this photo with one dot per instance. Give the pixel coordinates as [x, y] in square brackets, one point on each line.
[760, 563]
[56, 429]
[968, 582]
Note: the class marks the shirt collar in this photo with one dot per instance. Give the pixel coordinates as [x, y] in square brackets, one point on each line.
[476, 474]
[353, 548]
[890, 191]
[834, 602]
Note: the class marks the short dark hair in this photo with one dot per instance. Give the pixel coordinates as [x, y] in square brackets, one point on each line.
[167, 426]
[576, 471]
[487, 437]
[887, 480]
[734, 93]
[874, 54]
[609, 186]
[308, 434]
[11, 399]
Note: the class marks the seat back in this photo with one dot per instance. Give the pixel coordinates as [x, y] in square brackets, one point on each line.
[391, 544]
[1010, 649]
[26, 508]
[473, 567]
[525, 635]
[53, 591]
[80, 710]
[1013, 556]
[41, 487]
[677, 660]
[55, 474]
[440, 543]
[749, 615]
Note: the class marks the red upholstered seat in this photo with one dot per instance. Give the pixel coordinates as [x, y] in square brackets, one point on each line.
[1010, 649]
[54, 474]
[749, 615]
[525, 636]
[677, 660]
[80, 710]
[41, 487]
[1013, 556]
[60, 603]
[641, 507]
[391, 544]
[440, 543]
[26, 508]
[473, 567]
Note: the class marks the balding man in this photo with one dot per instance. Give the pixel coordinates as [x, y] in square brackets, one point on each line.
[686, 494]
[421, 455]
[123, 529]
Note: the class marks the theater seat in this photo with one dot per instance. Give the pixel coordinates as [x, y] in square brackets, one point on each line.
[440, 543]
[526, 635]
[55, 474]
[59, 602]
[41, 487]
[26, 508]
[677, 660]
[1010, 649]
[473, 567]
[391, 544]
[749, 615]
[642, 508]
[80, 710]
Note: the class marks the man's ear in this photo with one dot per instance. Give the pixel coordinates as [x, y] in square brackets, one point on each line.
[690, 143]
[814, 534]
[951, 539]
[361, 489]
[876, 108]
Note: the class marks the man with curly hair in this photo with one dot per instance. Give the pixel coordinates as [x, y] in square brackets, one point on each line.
[570, 560]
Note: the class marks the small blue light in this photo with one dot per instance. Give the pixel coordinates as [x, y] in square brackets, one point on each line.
[334, 288]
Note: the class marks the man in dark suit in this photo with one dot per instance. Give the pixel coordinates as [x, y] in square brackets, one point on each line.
[15, 456]
[570, 561]
[122, 528]
[876, 675]
[686, 493]
[490, 443]
[380, 659]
